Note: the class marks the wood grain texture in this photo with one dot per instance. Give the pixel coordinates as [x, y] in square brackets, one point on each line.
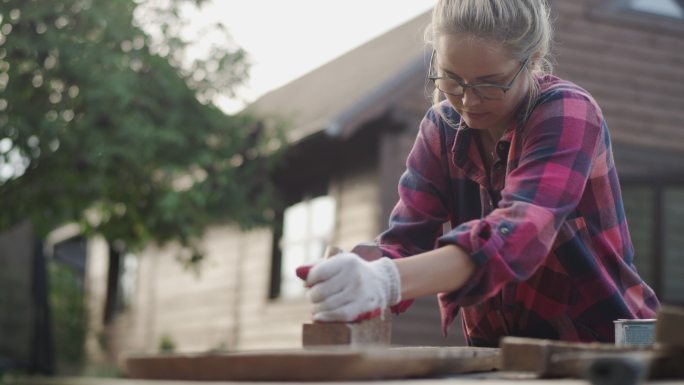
[375, 331]
[669, 331]
[549, 358]
[316, 364]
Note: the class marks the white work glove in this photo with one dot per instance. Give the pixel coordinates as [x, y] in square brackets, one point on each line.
[347, 288]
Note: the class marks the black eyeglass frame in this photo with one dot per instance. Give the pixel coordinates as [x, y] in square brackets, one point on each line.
[502, 87]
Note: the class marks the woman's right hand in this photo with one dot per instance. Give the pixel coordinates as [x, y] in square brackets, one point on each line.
[346, 288]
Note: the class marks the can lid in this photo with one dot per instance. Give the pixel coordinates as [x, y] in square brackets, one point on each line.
[627, 320]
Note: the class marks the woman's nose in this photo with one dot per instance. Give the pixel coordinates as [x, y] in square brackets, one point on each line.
[470, 98]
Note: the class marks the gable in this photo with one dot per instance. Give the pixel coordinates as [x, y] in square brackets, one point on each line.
[343, 89]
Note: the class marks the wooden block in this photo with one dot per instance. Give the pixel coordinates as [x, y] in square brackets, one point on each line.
[333, 333]
[669, 329]
[315, 364]
[548, 358]
[603, 364]
[524, 355]
[375, 331]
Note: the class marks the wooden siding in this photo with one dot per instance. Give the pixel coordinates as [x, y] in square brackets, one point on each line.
[636, 75]
[265, 323]
[673, 284]
[224, 305]
[638, 203]
[358, 206]
[17, 301]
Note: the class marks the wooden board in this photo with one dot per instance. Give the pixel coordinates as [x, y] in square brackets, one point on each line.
[316, 364]
[550, 358]
[374, 331]
[604, 364]
[669, 331]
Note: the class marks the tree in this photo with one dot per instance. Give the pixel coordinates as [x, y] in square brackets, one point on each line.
[109, 125]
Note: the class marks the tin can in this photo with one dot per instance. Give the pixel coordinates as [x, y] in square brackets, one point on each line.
[634, 332]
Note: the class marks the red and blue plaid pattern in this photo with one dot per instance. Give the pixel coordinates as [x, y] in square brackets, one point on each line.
[547, 231]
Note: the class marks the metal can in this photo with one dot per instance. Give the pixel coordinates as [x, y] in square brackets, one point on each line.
[634, 332]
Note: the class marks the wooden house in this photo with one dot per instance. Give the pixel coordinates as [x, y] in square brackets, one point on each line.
[351, 124]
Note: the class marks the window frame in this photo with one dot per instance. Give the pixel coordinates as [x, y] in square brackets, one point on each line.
[658, 186]
[276, 285]
[629, 7]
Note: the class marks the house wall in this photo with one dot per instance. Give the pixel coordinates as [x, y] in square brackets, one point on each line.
[223, 304]
[216, 306]
[95, 288]
[17, 312]
[634, 72]
[358, 196]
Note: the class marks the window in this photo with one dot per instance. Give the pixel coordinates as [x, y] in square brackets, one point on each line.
[654, 212]
[673, 253]
[659, 16]
[128, 281]
[307, 230]
[72, 253]
[667, 8]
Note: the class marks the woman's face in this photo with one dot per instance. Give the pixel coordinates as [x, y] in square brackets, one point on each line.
[475, 61]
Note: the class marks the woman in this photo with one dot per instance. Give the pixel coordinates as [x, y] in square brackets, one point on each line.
[519, 162]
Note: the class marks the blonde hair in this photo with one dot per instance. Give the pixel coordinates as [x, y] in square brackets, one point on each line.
[523, 27]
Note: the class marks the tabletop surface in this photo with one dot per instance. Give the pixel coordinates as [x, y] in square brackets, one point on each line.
[495, 378]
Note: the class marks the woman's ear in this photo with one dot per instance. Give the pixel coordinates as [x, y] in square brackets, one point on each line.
[534, 63]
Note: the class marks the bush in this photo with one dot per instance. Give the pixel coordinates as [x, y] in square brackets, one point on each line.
[69, 317]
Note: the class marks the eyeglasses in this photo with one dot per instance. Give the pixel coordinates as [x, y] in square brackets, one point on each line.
[489, 91]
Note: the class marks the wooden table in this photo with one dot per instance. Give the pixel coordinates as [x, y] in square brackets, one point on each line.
[480, 379]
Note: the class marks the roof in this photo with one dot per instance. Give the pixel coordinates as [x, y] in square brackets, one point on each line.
[634, 74]
[343, 94]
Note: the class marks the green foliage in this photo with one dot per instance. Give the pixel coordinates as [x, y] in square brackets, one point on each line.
[166, 344]
[103, 124]
[69, 317]
[102, 370]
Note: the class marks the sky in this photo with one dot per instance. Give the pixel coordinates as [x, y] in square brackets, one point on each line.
[288, 38]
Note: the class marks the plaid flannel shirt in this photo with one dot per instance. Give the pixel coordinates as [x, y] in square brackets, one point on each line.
[546, 229]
